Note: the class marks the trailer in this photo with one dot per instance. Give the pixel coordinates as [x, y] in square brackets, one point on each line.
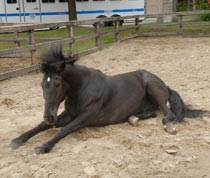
[31, 11]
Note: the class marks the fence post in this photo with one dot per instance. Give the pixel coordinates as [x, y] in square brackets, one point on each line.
[97, 34]
[70, 32]
[16, 37]
[116, 33]
[31, 41]
[137, 24]
[180, 24]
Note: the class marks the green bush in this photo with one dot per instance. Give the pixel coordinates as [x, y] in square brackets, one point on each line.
[203, 5]
[182, 6]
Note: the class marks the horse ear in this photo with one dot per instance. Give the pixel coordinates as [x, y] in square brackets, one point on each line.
[42, 67]
[53, 60]
[54, 67]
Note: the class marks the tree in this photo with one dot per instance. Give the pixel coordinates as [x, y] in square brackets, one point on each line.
[72, 9]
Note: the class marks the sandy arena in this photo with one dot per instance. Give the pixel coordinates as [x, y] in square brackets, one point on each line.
[116, 151]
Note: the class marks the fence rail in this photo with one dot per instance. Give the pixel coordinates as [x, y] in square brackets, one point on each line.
[33, 46]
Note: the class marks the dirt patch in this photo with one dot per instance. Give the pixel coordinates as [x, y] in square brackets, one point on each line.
[7, 102]
[117, 151]
[9, 64]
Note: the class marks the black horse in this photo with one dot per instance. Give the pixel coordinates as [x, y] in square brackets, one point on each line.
[94, 99]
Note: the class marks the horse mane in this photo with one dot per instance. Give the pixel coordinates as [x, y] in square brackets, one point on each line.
[54, 60]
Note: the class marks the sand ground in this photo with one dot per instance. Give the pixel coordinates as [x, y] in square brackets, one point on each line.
[117, 151]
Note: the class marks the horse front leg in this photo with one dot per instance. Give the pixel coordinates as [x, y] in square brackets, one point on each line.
[78, 123]
[17, 142]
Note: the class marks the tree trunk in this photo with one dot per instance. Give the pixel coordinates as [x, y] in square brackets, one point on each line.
[194, 5]
[188, 5]
[72, 10]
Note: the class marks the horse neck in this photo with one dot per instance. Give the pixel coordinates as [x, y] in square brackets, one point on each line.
[75, 77]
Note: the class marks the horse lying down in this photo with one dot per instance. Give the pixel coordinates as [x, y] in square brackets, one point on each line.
[94, 99]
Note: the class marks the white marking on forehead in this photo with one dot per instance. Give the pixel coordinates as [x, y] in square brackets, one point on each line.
[48, 79]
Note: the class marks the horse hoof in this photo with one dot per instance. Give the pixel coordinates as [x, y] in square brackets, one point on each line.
[133, 120]
[170, 128]
[37, 151]
[14, 145]
[40, 150]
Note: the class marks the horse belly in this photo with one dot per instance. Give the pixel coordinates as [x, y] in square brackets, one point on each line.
[115, 115]
[123, 98]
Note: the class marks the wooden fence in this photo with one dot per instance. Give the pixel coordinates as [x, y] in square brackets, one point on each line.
[32, 46]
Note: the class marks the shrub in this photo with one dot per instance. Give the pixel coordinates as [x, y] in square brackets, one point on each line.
[182, 6]
[203, 5]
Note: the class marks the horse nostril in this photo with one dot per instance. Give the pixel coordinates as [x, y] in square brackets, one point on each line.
[50, 119]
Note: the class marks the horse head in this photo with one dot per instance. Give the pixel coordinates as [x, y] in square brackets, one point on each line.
[53, 64]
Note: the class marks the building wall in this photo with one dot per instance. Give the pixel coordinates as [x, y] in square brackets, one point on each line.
[153, 6]
[159, 7]
[167, 6]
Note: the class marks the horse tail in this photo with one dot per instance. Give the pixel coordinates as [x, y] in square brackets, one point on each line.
[178, 107]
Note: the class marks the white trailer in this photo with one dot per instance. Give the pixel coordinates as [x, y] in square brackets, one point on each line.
[57, 10]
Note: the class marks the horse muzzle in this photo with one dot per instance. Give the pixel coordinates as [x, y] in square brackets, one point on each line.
[50, 118]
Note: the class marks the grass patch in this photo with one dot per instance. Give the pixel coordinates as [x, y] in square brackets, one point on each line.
[104, 40]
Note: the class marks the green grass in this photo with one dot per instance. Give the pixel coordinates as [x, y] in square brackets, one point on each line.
[90, 43]
[192, 30]
[59, 33]
[62, 33]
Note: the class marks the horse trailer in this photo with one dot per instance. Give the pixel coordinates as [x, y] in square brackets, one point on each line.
[57, 10]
